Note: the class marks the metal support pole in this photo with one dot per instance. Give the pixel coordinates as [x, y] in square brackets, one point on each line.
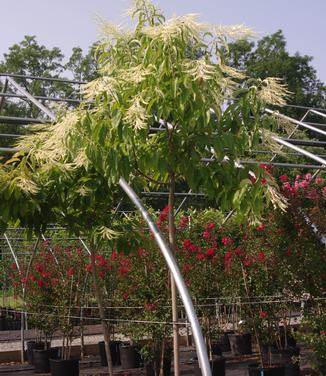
[2, 99]
[41, 98]
[174, 269]
[292, 133]
[318, 113]
[12, 252]
[37, 103]
[291, 120]
[9, 150]
[85, 246]
[51, 79]
[51, 250]
[301, 151]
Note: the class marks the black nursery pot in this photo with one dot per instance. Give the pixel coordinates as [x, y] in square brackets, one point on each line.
[41, 359]
[217, 367]
[115, 353]
[60, 367]
[33, 345]
[240, 343]
[152, 367]
[129, 356]
[285, 358]
[274, 370]
[224, 342]
[290, 341]
[12, 324]
[216, 348]
[2, 323]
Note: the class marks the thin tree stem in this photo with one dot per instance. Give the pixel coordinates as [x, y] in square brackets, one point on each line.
[253, 318]
[172, 241]
[99, 298]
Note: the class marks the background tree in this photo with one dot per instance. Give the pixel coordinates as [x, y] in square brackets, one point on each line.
[269, 57]
[30, 58]
[82, 66]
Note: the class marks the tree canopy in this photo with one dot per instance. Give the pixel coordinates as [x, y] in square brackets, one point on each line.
[149, 78]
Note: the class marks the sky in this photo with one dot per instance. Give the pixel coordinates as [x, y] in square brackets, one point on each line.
[69, 23]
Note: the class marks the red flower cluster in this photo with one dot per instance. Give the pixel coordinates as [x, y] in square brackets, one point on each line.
[150, 307]
[207, 233]
[183, 222]
[142, 252]
[122, 270]
[247, 261]
[211, 252]
[70, 272]
[186, 268]
[189, 246]
[266, 167]
[125, 296]
[261, 257]
[163, 215]
[284, 178]
[263, 314]
[226, 240]
[238, 251]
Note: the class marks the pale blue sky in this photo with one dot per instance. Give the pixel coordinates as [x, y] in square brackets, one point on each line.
[69, 23]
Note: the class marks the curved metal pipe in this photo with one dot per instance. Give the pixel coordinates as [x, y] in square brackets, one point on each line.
[174, 269]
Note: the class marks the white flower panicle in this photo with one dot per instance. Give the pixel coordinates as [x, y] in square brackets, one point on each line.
[277, 199]
[109, 31]
[135, 74]
[136, 115]
[272, 91]
[107, 233]
[175, 27]
[148, 5]
[26, 185]
[200, 69]
[49, 143]
[232, 72]
[81, 159]
[106, 84]
[234, 32]
[83, 190]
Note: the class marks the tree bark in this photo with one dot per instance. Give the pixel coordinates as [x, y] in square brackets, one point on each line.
[105, 326]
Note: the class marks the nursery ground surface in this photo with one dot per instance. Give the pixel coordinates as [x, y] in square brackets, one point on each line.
[90, 366]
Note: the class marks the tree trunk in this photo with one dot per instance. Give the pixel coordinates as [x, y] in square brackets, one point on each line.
[22, 323]
[105, 326]
[261, 360]
[172, 243]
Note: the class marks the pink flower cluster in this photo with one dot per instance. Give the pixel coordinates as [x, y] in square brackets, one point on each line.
[306, 187]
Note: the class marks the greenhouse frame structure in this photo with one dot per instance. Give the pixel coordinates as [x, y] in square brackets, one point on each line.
[18, 92]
